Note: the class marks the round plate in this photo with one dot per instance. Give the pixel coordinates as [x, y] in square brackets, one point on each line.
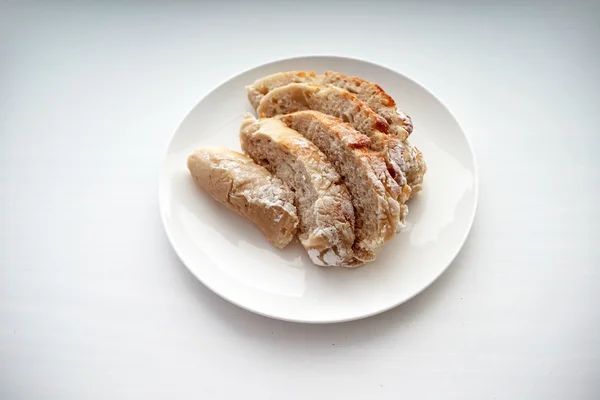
[230, 256]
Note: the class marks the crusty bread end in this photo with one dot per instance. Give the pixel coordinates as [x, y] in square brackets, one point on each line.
[234, 180]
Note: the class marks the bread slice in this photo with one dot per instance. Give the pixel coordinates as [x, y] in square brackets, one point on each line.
[341, 104]
[323, 202]
[376, 212]
[234, 180]
[262, 86]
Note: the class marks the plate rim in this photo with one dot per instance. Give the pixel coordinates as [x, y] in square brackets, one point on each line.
[161, 201]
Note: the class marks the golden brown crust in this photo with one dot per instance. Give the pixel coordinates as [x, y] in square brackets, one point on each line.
[385, 99]
[379, 122]
[375, 96]
[400, 124]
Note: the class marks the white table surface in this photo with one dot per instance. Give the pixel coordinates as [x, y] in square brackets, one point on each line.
[94, 304]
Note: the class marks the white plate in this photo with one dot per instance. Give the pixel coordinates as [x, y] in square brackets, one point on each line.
[231, 257]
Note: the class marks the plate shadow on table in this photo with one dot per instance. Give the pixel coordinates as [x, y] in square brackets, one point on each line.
[262, 330]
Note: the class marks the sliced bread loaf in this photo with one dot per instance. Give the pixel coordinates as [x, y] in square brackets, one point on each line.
[399, 124]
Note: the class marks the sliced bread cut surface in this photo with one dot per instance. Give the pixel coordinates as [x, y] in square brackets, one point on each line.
[341, 104]
[323, 203]
[400, 123]
[376, 211]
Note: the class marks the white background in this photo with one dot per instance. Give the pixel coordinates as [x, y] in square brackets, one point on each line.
[94, 304]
